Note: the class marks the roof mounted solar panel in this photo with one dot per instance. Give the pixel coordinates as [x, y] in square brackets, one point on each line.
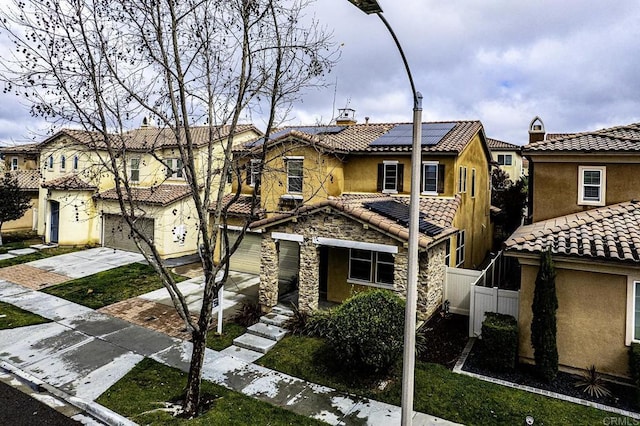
[399, 212]
[402, 134]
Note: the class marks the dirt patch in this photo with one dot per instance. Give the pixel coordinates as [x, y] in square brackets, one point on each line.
[444, 337]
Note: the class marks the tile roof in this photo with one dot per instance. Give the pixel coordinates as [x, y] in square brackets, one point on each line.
[28, 180]
[149, 138]
[69, 182]
[621, 139]
[162, 194]
[241, 207]
[605, 233]
[496, 145]
[358, 138]
[29, 148]
[438, 210]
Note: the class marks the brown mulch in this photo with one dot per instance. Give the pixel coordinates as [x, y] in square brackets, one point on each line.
[33, 278]
[152, 315]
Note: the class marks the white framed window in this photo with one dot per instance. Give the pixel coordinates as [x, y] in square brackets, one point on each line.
[76, 162]
[447, 252]
[134, 170]
[460, 248]
[63, 163]
[366, 266]
[254, 172]
[390, 177]
[14, 163]
[174, 168]
[294, 174]
[505, 159]
[473, 183]
[429, 178]
[462, 179]
[592, 181]
[633, 310]
[50, 163]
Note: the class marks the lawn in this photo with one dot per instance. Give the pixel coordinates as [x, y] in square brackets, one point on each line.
[141, 394]
[230, 331]
[13, 317]
[108, 287]
[438, 391]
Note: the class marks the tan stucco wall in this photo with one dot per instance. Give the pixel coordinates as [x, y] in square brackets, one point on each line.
[590, 319]
[555, 187]
[78, 224]
[26, 222]
[515, 170]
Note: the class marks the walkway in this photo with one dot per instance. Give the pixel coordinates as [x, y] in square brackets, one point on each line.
[83, 352]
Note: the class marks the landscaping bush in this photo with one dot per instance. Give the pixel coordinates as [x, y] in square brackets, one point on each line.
[499, 342]
[249, 314]
[634, 368]
[367, 330]
[319, 323]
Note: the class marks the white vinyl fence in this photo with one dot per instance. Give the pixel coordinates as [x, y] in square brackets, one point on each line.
[475, 293]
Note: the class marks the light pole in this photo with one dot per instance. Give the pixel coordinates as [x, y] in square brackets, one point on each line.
[408, 358]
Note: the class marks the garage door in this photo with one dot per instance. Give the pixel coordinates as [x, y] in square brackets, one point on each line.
[288, 262]
[247, 257]
[117, 233]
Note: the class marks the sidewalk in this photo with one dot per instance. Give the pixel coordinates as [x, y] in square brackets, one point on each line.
[83, 352]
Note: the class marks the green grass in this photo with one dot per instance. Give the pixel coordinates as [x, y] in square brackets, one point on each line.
[40, 254]
[438, 391]
[230, 331]
[108, 287]
[145, 388]
[13, 317]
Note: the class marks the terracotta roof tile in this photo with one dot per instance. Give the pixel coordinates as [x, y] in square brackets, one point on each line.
[241, 207]
[162, 194]
[29, 148]
[496, 145]
[614, 139]
[609, 232]
[28, 180]
[69, 182]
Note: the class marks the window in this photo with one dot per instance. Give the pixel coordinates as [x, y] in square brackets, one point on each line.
[390, 177]
[134, 170]
[460, 248]
[76, 162]
[63, 163]
[591, 185]
[254, 172]
[294, 174]
[636, 310]
[462, 179]
[473, 183]
[50, 163]
[447, 252]
[174, 168]
[14, 163]
[370, 266]
[429, 177]
[505, 159]
[633, 310]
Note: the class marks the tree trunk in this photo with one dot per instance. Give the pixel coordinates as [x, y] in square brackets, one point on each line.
[194, 381]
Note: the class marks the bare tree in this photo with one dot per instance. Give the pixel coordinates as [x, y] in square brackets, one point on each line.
[100, 65]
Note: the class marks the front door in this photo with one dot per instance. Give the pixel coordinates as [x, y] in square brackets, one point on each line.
[55, 221]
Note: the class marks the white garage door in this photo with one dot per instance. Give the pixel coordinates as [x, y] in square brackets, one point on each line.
[247, 257]
[117, 233]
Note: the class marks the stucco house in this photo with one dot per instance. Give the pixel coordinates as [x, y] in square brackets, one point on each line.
[584, 203]
[508, 157]
[333, 208]
[79, 203]
[22, 162]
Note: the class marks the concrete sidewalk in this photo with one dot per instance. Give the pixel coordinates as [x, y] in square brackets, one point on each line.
[83, 352]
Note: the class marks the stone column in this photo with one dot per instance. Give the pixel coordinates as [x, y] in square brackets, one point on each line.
[309, 277]
[268, 294]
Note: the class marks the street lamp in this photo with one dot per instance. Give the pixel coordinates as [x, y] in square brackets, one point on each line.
[408, 357]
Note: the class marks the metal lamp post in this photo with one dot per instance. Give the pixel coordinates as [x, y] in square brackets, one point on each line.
[408, 360]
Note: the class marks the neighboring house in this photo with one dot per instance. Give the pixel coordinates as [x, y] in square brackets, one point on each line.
[508, 157]
[333, 208]
[79, 200]
[584, 195]
[22, 162]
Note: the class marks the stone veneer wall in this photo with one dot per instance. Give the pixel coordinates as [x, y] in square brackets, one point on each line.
[332, 225]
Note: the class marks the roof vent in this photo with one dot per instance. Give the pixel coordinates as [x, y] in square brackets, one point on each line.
[346, 117]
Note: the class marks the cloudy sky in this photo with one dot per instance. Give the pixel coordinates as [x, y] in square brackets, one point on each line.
[573, 63]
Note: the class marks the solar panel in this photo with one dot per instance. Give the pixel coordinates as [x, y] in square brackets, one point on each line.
[400, 213]
[402, 134]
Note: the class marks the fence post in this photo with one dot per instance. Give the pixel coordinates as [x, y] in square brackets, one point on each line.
[472, 308]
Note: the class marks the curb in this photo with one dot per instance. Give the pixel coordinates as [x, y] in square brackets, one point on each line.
[92, 408]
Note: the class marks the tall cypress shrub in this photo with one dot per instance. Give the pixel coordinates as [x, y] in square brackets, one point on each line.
[543, 326]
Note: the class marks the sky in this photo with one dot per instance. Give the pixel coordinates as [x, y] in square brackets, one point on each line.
[575, 64]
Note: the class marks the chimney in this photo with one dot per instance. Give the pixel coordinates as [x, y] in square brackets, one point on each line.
[146, 122]
[346, 117]
[536, 130]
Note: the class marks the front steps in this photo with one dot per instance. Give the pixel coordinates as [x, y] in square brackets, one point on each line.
[262, 336]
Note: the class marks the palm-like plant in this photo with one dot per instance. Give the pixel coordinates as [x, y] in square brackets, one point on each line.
[592, 383]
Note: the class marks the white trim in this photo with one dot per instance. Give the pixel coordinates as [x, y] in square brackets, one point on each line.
[370, 284]
[334, 242]
[293, 157]
[291, 197]
[631, 297]
[240, 228]
[602, 186]
[287, 237]
[424, 178]
[390, 162]
[17, 160]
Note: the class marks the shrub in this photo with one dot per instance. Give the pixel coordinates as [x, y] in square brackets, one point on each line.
[297, 323]
[499, 342]
[634, 368]
[593, 383]
[367, 330]
[543, 324]
[249, 314]
[319, 323]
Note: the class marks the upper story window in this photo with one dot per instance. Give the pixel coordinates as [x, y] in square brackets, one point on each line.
[447, 252]
[370, 266]
[253, 173]
[63, 163]
[76, 162]
[174, 168]
[14, 163]
[462, 179]
[50, 163]
[134, 170]
[505, 159]
[390, 177]
[460, 248]
[473, 183]
[294, 174]
[592, 185]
